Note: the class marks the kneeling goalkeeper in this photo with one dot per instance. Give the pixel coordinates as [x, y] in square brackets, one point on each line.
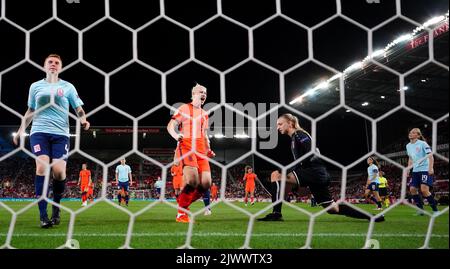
[310, 172]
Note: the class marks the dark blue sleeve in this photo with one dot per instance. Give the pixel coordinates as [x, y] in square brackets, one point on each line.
[303, 143]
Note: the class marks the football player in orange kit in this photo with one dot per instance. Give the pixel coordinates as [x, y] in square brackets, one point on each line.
[192, 122]
[214, 192]
[84, 181]
[249, 179]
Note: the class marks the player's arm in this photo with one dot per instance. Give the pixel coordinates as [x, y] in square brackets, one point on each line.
[430, 164]
[28, 116]
[117, 177]
[410, 163]
[368, 181]
[171, 128]
[131, 178]
[82, 116]
[79, 179]
[210, 153]
[90, 179]
[245, 177]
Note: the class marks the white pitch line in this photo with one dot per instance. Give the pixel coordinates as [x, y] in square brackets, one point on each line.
[224, 235]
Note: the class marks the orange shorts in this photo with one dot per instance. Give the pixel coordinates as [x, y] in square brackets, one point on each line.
[249, 187]
[178, 182]
[84, 188]
[193, 159]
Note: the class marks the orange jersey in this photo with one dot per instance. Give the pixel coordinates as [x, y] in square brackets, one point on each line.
[85, 175]
[186, 116]
[250, 179]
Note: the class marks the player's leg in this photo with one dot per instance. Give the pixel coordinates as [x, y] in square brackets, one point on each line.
[322, 195]
[378, 199]
[382, 193]
[207, 198]
[205, 183]
[207, 202]
[252, 196]
[190, 173]
[83, 195]
[203, 178]
[427, 195]
[40, 146]
[273, 187]
[245, 196]
[41, 162]
[318, 182]
[387, 200]
[119, 193]
[126, 197]
[191, 180]
[372, 188]
[188, 160]
[367, 195]
[60, 151]
[414, 187]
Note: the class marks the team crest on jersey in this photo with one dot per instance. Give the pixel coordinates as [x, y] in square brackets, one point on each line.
[60, 92]
[37, 148]
[417, 149]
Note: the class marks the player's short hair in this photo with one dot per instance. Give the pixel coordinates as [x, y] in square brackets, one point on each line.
[54, 55]
[197, 86]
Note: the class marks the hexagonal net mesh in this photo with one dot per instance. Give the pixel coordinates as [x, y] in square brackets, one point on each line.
[342, 79]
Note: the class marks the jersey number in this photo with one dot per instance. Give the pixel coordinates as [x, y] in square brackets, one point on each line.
[424, 178]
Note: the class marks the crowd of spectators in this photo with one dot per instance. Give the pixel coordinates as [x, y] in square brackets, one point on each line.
[17, 180]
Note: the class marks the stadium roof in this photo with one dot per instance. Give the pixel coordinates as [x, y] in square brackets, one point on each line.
[372, 88]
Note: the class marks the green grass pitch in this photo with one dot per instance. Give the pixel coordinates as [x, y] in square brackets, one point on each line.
[104, 226]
